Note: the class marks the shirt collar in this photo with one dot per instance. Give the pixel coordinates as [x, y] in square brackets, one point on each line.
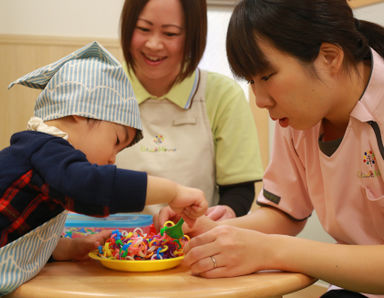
[371, 102]
[37, 124]
[180, 94]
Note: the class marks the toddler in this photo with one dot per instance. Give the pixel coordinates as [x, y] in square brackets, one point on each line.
[85, 114]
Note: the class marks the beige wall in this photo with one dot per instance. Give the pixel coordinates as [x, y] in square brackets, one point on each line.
[261, 120]
[19, 55]
[359, 3]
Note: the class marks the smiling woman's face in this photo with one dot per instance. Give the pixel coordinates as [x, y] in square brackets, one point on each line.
[158, 41]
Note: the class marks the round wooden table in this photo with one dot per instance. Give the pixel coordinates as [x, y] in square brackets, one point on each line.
[91, 279]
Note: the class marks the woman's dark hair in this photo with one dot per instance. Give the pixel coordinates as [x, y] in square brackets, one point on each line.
[195, 18]
[297, 27]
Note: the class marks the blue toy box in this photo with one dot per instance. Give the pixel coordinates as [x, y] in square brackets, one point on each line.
[78, 225]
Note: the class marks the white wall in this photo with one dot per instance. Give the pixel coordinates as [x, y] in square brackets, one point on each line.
[373, 13]
[100, 18]
[95, 18]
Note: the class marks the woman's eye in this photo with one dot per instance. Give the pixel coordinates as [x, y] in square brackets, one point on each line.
[251, 82]
[170, 34]
[142, 29]
[266, 78]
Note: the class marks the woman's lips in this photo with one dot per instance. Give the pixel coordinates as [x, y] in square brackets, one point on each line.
[284, 122]
[152, 60]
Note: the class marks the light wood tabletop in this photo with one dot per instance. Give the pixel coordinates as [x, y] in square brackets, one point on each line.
[91, 279]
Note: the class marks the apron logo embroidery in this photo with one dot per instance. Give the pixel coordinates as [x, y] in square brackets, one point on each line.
[158, 139]
[369, 160]
[159, 145]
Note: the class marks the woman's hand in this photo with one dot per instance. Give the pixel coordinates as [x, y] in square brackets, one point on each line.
[235, 252]
[220, 212]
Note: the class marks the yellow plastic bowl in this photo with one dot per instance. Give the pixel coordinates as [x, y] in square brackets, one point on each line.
[139, 265]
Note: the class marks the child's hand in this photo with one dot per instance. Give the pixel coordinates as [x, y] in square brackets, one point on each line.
[189, 203]
[202, 224]
[165, 214]
[77, 249]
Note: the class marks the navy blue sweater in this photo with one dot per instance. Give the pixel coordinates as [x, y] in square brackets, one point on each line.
[41, 175]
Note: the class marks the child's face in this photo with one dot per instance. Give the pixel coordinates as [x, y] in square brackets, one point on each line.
[100, 141]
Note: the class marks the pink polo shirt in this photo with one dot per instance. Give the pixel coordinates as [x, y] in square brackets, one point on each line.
[346, 189]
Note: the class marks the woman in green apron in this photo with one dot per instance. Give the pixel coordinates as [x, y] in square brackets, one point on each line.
[197, 126]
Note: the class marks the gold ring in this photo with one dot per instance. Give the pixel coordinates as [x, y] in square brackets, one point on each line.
[214, 262]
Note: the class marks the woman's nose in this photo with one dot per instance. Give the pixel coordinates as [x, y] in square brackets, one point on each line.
[263, 99]
[154, 42]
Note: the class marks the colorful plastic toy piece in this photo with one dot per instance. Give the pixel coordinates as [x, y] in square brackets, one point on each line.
[174, 231]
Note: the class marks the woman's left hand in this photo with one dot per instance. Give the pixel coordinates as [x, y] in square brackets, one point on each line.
[226, 251]
[220, 212]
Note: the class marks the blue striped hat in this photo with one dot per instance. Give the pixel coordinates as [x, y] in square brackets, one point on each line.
[91, 83]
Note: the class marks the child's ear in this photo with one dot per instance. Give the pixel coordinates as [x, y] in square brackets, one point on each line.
[80, 120]
[330, 57]
[131, 134]
[76, 118]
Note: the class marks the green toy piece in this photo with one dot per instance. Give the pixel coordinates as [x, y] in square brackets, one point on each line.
[175, 231]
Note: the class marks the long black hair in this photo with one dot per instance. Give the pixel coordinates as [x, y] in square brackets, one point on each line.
[297, 27]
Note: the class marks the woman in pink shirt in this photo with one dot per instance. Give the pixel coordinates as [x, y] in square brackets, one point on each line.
[320, 73]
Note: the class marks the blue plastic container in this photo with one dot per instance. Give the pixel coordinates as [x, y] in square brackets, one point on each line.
[78, 225]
